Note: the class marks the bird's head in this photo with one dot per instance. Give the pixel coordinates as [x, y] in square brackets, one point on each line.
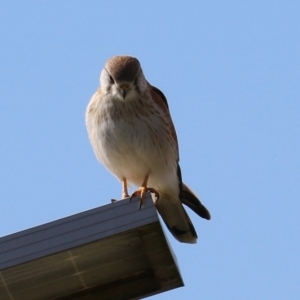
[122, 77]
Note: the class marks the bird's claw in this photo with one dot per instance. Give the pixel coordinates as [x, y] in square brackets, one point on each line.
[142, 191]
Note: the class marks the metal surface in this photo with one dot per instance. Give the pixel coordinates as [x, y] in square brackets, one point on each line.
[116, 251]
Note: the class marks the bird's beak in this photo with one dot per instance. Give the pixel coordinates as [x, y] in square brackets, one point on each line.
[124, 90]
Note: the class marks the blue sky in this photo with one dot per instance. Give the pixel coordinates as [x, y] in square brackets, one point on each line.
[230, 71]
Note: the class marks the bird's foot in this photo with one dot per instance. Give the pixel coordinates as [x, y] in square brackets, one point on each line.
[125, 196]
[141, 192]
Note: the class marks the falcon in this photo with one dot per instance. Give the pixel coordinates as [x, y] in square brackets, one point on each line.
[132, 134]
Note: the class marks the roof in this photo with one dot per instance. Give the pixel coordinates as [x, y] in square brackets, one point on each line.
[115, 251]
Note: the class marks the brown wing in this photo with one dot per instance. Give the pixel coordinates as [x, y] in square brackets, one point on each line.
[160, 99]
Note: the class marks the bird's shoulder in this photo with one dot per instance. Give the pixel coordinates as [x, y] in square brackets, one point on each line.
[159, 97]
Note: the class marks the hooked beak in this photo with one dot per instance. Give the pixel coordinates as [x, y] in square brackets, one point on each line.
[124, 90]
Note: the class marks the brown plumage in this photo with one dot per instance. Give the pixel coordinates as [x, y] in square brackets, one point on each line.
[132, 133]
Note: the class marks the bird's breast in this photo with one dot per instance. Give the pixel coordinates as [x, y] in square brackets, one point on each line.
[133, 139]
[132, 130]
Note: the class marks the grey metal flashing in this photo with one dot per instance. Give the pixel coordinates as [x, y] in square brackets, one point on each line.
[115, 251]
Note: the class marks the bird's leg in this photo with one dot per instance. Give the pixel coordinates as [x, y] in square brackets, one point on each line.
[143, 190]
[124, 189]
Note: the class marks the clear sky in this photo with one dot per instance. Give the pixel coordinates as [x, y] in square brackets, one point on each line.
[231, 73]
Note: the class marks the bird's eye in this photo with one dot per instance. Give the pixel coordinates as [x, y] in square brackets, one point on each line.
[111, 79]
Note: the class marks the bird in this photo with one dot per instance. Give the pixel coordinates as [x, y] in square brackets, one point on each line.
[132, 133]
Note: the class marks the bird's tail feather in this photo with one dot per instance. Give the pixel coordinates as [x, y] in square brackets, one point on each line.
[176, 219]
[190, 199]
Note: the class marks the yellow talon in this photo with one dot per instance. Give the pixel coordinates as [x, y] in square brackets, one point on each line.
[142, 191]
